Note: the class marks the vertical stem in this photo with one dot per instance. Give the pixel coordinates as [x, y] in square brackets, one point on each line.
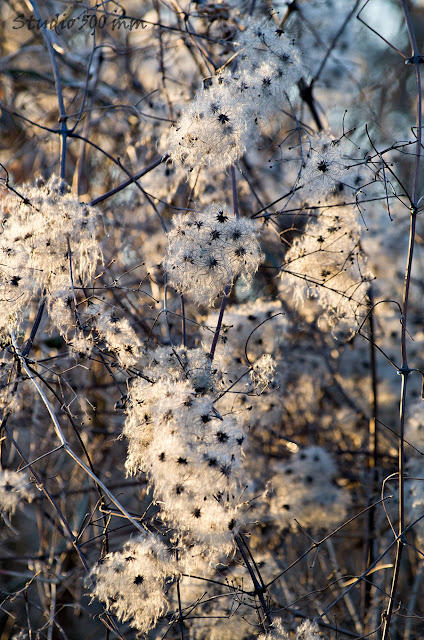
[27, 347]
[227, 288]
[183, 320]
[219, 323]
[180, 609]
[180, 617]
[58, 85]
[404, 371]
[305, 91]
[253, 561]
[373, 432]
[234, 189]
[372, 467]
[165, 307]
[259, 590]
[81, 167]
[63, 140]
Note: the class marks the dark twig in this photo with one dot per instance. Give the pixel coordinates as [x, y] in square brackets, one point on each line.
[414, 59]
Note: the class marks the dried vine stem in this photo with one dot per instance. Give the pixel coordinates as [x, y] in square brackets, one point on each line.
[416, 58]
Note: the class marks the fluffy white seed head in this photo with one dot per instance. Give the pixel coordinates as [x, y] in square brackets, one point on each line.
[42, 236]
[212, 130]
[191, 455]
[324, 168]
[131, 582]
[14, 487]
[208, 251]
[119, 338]
[275, 632]
[303, 489]
[216, 126]
[326, 263]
